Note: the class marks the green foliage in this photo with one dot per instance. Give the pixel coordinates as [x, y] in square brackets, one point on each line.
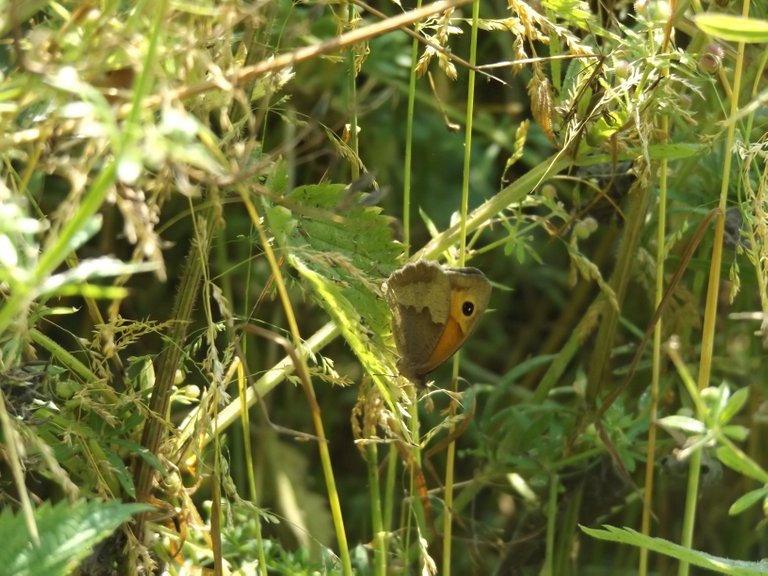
[68, 533]
[735, 28]
[173, 171]
[344, 254]
[694, 557]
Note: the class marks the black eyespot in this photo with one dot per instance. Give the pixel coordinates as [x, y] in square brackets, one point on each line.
[467, 308]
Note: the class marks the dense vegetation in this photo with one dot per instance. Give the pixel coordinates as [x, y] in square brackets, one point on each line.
[201, 201]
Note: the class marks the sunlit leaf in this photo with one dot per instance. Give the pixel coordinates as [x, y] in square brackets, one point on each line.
[345, 256]
[67, 531]
[737, 460]
[733, 28]
[734, 405]
[684, 423]
[694, 557]
[748, 500]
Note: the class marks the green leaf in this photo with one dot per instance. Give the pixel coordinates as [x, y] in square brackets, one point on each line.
[77, 277]
[344, 250]
[748, 500]
[94, 291]
[25, 10]
[89, 229]
[684, 423]
[734, 405]
[343, 304]
[576, 12]
[733, 28]
[736, 432]
[359, 234]
[736, 460]
[67, 533]
[121, 471]
[523, 368]
[143, 453]
[429, 223]
[605, 127]
[695, 557]
[715, 399]
[676, 151]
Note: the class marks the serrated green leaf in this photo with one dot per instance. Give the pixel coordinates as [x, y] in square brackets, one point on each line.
[282, 221]
[277, 181]
[359, 235]
[345, 256]
[733, 28]
[367, 345]
[67, 534]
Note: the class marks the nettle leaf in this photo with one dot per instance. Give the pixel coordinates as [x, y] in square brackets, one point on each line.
[344, 250]
[67, 533]
[357, 233]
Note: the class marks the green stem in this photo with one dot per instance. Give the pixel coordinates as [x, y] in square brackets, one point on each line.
[626, 259]
[710, 311]
[352, 98]
[379, 534]
[309, 391]
[552, 511]
[451, 452]
[661, 233]
[409, 145]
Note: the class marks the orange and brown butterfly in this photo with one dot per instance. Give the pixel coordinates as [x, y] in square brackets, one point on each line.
[434, 310]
